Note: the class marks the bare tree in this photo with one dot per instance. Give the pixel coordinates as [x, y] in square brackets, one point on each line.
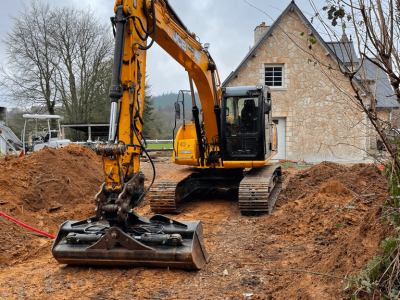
[58, 57]
[29, 71]
[374, 25]
[84, 46]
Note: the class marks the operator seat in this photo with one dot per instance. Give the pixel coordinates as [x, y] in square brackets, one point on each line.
[249, 116]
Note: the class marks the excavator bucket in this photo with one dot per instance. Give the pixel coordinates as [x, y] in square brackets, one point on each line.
[155, 242]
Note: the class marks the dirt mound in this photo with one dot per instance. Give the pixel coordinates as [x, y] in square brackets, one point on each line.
[335, 206]
[327, 220]
[334, 187]
[51, 177]
[358, 178]
[45, 188]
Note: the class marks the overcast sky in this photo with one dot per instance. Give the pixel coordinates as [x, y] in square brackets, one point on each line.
[228, 25]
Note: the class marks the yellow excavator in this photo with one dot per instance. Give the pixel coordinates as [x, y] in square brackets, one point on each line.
[229, 146]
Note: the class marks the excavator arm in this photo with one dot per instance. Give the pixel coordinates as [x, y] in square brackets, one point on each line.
[117, 235]
[134, 22]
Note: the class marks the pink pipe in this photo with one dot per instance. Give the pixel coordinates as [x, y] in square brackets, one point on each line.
[29, 227]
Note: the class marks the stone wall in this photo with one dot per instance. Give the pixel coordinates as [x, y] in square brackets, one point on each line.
[383, 115]
[323, 121]
[395, 118]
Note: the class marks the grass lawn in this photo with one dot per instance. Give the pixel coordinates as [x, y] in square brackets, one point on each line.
[156, 146]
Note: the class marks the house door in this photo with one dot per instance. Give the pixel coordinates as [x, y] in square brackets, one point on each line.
[281, 127]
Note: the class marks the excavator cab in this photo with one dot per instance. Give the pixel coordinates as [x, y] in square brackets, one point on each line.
[247, 140]
[243, 126]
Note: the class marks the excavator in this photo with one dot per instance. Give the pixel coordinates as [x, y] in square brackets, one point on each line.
[228, 148]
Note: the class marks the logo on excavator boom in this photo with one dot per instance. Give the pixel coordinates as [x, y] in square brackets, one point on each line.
[179, 40]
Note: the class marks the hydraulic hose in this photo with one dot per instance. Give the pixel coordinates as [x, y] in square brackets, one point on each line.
[26, 226]
[152, 165]
[153, 12]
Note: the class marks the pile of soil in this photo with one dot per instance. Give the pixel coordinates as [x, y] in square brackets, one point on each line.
[43, 190]
[337, 208]
[327, 220]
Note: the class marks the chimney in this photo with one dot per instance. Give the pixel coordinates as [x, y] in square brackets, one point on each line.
[260, 31]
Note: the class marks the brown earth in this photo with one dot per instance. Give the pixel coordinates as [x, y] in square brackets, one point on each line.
[326, 221]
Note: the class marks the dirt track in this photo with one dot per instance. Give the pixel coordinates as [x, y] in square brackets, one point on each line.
[309, 230]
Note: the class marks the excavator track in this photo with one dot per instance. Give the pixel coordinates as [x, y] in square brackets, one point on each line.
[259, 190]
[165, 196]
[162, 197]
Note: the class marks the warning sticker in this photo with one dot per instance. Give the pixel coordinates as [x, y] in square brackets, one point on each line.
[179, 40]
[191, 49]
[197, 56]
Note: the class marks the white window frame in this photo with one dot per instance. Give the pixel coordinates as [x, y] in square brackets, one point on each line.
[283, 75]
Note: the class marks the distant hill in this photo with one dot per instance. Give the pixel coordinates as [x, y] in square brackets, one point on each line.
[170, 98]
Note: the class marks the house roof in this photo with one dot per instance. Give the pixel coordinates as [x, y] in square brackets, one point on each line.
[382, 86]
[335, 49]
[256, 46]
[254, 49]
[345, 50]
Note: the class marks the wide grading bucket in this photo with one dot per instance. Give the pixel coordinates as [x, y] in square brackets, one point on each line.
[156, 242]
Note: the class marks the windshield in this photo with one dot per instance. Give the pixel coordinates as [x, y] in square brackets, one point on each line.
[242, 126]
[241, 115]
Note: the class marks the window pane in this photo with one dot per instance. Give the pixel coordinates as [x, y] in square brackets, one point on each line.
[274, 76]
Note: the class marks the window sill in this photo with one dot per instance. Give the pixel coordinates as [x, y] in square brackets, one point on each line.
[278, 89]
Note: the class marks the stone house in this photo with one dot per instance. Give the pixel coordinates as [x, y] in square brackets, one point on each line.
[376, 81]
[316, 115]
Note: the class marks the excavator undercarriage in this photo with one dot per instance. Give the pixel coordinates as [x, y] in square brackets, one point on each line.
[256, 189]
